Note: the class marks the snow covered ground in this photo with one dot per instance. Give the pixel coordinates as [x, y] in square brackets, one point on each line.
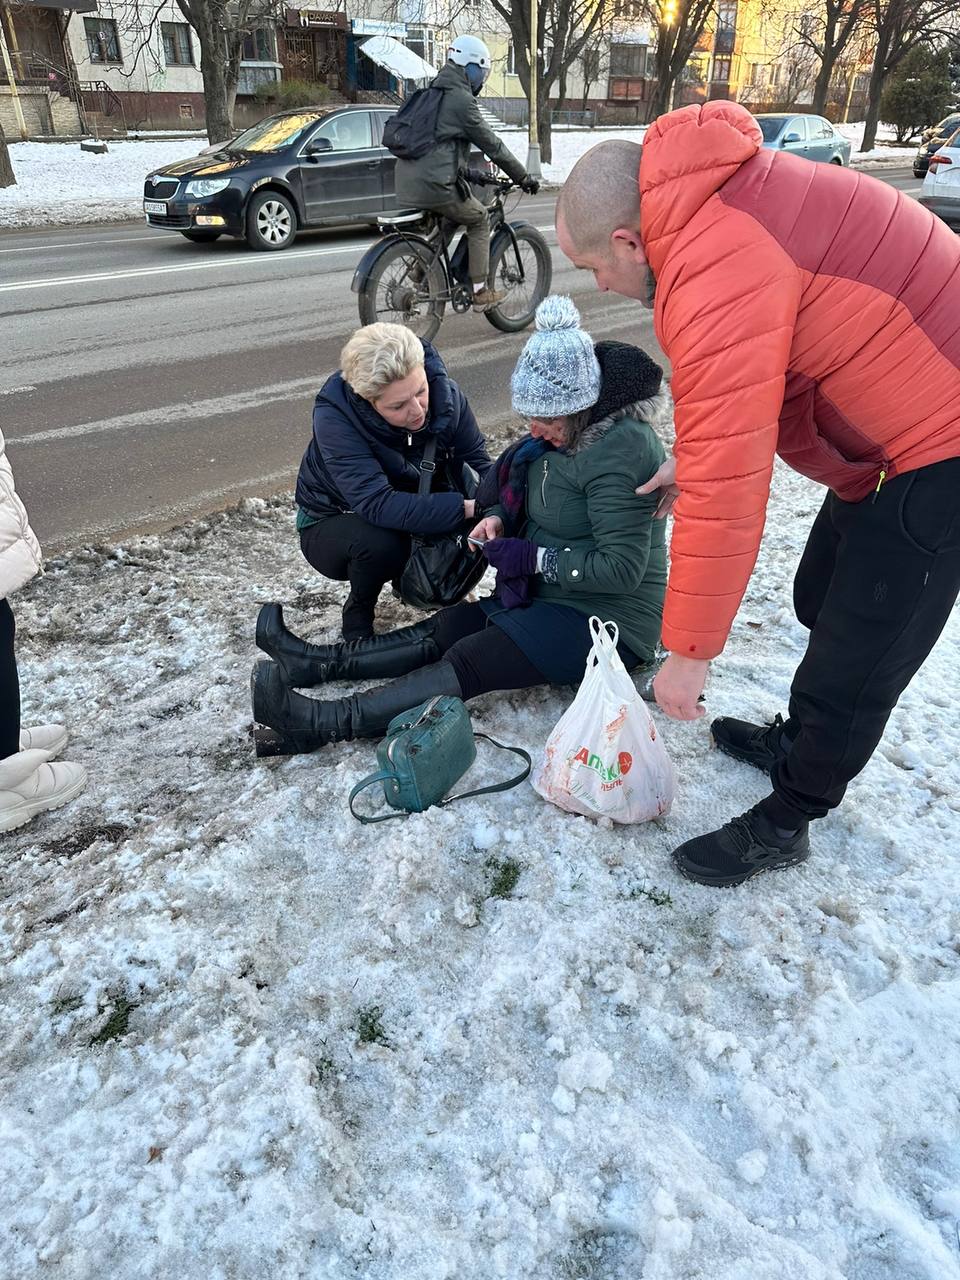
[59, 183]
[243, 1036]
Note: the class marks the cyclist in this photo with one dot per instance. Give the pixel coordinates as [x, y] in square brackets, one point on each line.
[434, 181]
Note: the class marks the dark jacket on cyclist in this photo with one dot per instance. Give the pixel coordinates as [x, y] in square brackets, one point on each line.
[357, 462]
[432, 180]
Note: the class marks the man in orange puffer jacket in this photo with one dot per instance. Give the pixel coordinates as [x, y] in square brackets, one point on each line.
[814, 313]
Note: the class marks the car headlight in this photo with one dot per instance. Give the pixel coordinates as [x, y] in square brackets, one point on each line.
[206, 186]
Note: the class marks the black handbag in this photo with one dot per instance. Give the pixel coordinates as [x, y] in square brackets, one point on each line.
[442, 569]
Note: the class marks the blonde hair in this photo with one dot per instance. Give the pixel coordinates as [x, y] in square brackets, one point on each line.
[377, 355]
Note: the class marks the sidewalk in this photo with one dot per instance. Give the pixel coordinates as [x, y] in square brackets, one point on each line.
[60, 184]
[243, 1035]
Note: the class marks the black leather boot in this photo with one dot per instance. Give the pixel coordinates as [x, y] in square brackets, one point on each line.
[287, 723]
[305, 665]
[357, 618]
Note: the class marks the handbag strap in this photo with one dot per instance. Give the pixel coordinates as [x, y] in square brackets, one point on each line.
[383, 776]
[497, 786]
[386, 774]
[427, 467]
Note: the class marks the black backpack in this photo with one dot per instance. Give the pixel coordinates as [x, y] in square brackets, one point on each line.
[412, 132]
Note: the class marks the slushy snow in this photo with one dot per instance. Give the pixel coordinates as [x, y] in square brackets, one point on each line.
[245, 1036]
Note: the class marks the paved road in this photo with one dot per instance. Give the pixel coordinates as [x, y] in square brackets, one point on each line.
[145, 380]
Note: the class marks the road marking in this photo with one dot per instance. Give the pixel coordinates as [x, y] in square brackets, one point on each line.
[82, 244]
[13, 391]
[253, 260]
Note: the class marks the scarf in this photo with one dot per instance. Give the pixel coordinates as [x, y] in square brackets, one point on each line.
[506, 481]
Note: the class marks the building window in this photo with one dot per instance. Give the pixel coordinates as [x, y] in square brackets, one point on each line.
[591, 65]
[628, 60]
[721, 70]
[422, 42]
[632, 9]
[726, 28]
[103, 43]
[177, 49]
[258, 46]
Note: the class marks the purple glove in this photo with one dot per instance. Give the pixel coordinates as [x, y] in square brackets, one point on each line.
[512, 557]
[515, 560]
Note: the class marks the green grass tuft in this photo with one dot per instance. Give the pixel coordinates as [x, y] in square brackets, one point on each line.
[116, 1024]
[369, 1026]
[505, 873]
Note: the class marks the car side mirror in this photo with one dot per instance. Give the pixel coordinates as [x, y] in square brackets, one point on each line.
[791, 137]
[317, 147]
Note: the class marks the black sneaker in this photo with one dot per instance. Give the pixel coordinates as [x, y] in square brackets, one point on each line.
[758, 744]
[740, 849]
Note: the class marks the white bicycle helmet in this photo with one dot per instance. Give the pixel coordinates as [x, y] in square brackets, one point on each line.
[469, 49]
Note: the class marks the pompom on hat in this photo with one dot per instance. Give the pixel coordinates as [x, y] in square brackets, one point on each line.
[558, 372]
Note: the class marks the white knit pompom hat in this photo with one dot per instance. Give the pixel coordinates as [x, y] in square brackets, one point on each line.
[557, 372]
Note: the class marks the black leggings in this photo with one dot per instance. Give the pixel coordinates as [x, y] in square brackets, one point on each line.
[9, 685]
[484, 657]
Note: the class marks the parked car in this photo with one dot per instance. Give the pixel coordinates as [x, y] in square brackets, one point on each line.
[933, 140]
[314, 167]
[941, 187]
[808, 136]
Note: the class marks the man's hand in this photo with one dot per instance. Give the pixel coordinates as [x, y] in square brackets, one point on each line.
[489, 527]
[665, 479]
[678, 685]
[530, 185]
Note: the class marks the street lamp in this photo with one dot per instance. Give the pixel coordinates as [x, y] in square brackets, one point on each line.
[533, 148]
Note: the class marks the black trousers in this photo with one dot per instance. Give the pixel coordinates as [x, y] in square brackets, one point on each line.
[349, 549]
[875, 587]
[484, 658]
[9, 685]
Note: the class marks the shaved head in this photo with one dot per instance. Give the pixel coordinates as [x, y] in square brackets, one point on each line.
[601, 195]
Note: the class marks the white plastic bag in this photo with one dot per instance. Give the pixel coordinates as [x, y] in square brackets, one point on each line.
[604, 758]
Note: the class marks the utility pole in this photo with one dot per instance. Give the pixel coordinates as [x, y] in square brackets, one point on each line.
[533, 150]
[18, 109]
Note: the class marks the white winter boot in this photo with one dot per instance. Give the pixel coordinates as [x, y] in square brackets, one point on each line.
[29, 784]
[51, 738]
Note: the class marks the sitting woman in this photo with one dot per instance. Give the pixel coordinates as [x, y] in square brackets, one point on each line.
[566, 531]
[357, 488]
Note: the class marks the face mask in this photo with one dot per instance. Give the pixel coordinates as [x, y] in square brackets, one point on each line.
[476, 75]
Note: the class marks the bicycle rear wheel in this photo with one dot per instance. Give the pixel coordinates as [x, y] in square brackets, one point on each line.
[524, 274]
[406, 288]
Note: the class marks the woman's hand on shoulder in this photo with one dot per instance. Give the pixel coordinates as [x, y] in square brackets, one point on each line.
[664, 483]
[490, 527]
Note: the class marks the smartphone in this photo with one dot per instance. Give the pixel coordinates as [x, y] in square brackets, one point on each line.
[476, 542]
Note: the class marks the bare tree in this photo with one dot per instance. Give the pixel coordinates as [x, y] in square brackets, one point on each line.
[826, 33]
[564, 29]
[7, 176]
[677, 37]
[900, 25]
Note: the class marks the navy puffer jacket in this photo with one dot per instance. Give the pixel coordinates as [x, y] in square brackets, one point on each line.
[357, 462]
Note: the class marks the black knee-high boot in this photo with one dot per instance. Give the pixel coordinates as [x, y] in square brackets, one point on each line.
[305, 665]
[294, 723]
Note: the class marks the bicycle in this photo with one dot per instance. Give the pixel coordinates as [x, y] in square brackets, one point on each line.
[409, 277]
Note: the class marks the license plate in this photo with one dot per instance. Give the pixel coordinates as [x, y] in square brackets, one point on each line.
[154, 206]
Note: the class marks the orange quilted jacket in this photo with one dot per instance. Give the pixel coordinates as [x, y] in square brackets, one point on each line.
[808, 311]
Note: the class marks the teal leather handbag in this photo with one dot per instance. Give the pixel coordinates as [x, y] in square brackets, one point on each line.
[425, 752]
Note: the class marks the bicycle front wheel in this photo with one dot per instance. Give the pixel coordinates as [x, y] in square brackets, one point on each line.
[406, 288]
[523, 272]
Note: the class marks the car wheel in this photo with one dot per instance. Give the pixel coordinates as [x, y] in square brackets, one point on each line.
[201, 237]
[271, 222]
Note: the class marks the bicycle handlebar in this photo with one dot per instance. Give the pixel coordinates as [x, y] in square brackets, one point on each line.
[487, 179]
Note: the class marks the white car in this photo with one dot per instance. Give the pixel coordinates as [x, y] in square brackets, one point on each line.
[941, 187]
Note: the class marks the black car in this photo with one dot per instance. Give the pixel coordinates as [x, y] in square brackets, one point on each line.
[933, 140]
[315, 167]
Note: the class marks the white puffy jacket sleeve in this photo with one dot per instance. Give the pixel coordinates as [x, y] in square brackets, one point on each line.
[20, 555]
